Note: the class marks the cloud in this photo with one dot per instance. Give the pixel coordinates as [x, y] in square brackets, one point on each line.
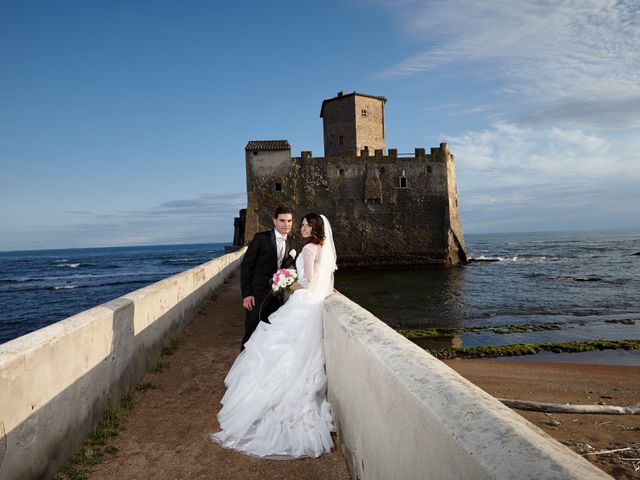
[606, 113]
[211, 204]
[573, 61]
[80, 212]
[201, 219]
[551, 178]
[519, 154]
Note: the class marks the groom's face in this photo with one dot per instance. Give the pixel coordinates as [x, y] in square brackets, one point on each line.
[283, 223]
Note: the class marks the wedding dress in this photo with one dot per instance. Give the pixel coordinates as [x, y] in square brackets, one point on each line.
[275, 405]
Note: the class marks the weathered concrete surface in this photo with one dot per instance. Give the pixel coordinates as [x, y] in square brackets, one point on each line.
[166, 435]
[56, 382]
[402, 413]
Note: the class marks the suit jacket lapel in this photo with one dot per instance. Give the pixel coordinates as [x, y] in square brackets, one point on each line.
[274, 248]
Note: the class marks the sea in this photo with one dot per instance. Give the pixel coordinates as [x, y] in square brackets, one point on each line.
[585, 283]
[40, 287]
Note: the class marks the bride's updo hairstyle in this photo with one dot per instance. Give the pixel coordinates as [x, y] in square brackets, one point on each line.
[317, 228]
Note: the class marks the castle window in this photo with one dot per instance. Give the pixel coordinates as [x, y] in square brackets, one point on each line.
[382, 170]
[255, 153]
[341, 139]
[428, 168]
[363, 112]
[278, 187]
[403, 182]
[341, 172]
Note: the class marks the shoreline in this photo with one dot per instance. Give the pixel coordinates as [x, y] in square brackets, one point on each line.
[573, 383]
[617, 357]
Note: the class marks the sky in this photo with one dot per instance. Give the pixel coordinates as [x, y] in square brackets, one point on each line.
[125, 122]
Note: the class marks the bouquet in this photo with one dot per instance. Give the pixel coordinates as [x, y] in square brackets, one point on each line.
[282, 280]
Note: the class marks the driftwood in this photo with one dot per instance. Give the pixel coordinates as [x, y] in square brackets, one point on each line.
[607, 452]
[566, 408]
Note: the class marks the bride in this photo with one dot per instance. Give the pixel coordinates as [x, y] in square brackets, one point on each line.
[275, 404]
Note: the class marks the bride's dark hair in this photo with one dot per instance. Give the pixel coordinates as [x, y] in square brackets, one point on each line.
[317, 228]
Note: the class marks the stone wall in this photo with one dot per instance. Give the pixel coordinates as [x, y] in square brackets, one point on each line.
[386, 211]
[339, 127]
[265, 170]
[369, 113]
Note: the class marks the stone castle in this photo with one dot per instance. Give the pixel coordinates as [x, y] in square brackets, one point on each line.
[387, 210]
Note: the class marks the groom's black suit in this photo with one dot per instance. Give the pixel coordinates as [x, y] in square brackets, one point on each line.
[258, 266]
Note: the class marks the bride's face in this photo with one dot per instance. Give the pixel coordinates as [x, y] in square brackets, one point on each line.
[305, 229]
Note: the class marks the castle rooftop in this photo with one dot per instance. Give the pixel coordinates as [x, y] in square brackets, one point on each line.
[265, 145]
[341, 95]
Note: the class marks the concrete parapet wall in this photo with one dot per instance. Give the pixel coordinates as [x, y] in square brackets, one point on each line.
[403, 414]
[56, 382]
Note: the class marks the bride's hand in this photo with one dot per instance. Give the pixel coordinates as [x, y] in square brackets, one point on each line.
[295, 286]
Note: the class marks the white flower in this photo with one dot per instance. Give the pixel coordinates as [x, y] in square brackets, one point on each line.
[293, 253]
[282, 280]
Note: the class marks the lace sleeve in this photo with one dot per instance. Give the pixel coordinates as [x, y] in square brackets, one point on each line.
[309, 253]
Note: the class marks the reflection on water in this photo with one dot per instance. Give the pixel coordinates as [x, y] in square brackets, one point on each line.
[433, 297]
[584, 281]
[439, 343]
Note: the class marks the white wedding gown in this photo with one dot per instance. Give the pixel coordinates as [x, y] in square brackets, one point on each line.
[275, 405]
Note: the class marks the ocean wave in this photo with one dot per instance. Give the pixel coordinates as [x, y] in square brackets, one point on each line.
[483, 258]
[70, 265]
[134, 285]
[179, 261]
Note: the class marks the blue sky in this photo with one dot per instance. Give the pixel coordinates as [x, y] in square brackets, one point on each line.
[124, 122]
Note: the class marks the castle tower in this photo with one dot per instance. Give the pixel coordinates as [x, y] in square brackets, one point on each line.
[386, 211]
[352, 122]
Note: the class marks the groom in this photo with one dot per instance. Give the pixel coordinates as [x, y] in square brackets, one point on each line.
[267, 252]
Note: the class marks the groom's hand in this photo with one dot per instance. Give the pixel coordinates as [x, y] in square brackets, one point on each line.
[249, 302]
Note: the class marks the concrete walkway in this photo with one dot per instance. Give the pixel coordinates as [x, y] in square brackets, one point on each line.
[166, 434]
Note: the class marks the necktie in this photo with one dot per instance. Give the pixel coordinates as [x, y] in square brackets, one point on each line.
[281, 245]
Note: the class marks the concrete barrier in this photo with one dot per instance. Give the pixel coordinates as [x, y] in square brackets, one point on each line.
[56, 382]
[403, 414]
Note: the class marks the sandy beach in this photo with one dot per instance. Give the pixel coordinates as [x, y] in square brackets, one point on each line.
[577, 384]
[166, 434]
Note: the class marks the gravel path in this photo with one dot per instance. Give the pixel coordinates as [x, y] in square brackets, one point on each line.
[166, 434]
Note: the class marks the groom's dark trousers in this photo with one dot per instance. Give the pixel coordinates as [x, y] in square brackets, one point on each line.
[258, 266]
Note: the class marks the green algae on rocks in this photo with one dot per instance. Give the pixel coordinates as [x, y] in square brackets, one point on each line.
[500, 329]
[492, 351]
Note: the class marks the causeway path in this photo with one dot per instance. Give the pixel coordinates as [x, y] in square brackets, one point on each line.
[166, 434]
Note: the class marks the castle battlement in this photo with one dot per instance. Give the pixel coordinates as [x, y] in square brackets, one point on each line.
[437, 154]
[388, 210]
